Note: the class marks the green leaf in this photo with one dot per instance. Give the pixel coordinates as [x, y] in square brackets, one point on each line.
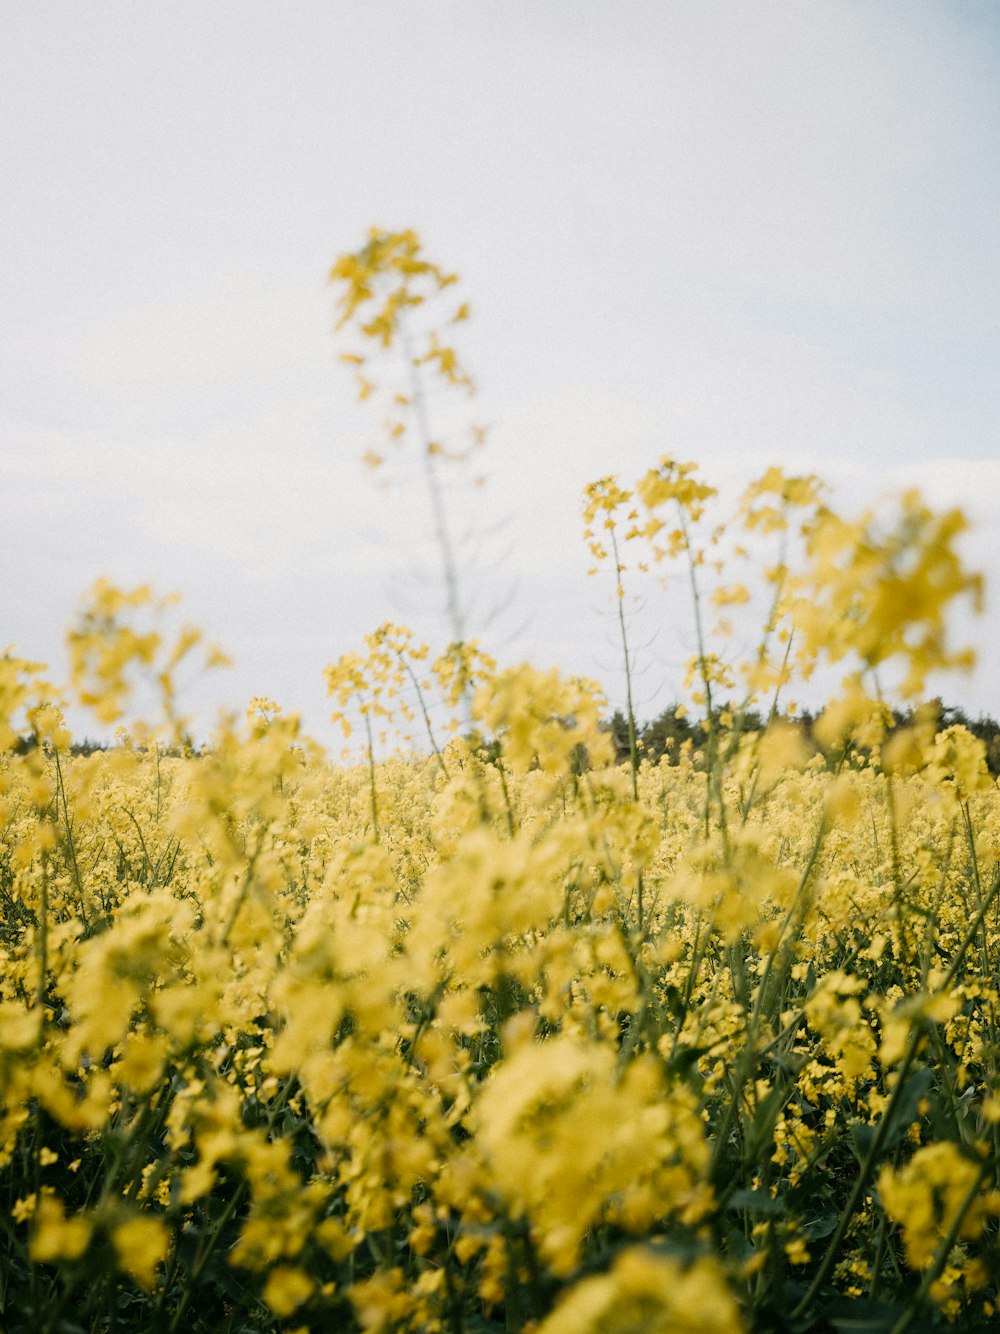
[684, 1058]
[903, 1114]
[821, 1226]
[863, 1316]
[756, 1202]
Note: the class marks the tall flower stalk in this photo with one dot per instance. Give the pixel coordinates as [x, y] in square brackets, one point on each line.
[392, 298]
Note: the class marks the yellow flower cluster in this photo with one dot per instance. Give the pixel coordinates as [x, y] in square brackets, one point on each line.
[390, 1076]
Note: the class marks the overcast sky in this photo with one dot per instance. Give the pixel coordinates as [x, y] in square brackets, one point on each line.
[737, 233]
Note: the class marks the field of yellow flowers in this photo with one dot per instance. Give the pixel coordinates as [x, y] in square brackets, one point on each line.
[494, 1033]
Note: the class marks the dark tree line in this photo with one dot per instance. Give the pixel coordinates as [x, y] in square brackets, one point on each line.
[667, 733]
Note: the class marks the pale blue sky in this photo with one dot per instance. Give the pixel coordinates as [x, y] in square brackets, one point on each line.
[737, 233]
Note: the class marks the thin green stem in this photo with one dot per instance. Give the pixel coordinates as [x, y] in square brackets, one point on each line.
[439, 514]
[372, 788]
[633, 749]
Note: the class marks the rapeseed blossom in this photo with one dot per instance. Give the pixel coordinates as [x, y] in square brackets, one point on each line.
[478, 1029]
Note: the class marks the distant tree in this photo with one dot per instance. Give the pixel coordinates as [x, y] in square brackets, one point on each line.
[667, 733]
[670, 730]
[88, 746]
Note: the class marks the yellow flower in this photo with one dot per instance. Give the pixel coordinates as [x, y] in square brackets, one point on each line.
[56, 1237]
[141, 1244]
[142, 1060]
[537, 1122]
[880, 592]
[287, 1287]
[925, 1199]
[645, 1293]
